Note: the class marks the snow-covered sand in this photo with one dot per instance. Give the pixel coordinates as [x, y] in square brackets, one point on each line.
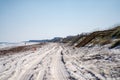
[55, 61]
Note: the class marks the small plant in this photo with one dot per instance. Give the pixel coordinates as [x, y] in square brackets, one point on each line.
[115, 44]
[104, 42]
[116, 33]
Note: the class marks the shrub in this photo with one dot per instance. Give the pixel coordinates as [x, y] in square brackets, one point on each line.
[116, 33]
[104, 42]
[115, 44]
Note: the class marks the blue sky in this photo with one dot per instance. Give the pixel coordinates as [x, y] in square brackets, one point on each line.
[22, 20]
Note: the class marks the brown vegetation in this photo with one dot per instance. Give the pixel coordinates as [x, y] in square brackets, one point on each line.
[98, 37]
[20, 49]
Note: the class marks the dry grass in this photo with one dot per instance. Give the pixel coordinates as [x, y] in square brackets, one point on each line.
[100, 37]
[20, 49]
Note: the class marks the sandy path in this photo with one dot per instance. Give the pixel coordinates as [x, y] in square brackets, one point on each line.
[58, 62]
[58, 70]
[43, 64]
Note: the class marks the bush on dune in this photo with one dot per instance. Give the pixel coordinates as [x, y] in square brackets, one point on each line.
[117, 43]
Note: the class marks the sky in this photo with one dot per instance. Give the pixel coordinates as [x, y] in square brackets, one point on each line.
[22, 20]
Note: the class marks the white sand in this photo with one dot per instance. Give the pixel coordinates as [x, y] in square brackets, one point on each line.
[58, 62]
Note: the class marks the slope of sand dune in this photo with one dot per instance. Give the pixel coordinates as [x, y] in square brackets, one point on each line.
[55, 61]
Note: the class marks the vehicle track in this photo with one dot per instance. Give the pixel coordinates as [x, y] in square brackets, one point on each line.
[56, 62]
[42, 64]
